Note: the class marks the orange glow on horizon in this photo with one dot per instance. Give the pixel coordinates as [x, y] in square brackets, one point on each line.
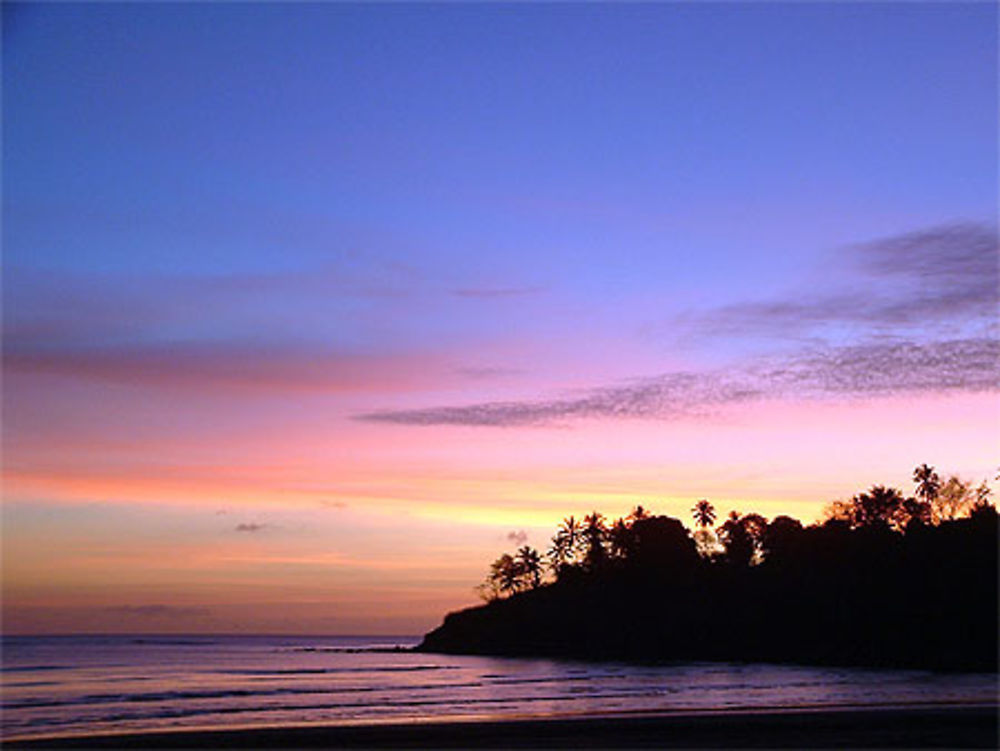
[394, 509]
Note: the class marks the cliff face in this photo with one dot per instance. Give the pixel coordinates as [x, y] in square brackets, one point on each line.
[928, 600]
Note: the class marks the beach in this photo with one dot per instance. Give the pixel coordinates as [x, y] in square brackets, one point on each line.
[922, 727]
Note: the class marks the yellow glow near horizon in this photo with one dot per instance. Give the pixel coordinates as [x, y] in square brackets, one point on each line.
[425, 516]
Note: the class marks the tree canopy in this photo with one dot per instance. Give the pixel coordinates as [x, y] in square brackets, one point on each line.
[884, 579]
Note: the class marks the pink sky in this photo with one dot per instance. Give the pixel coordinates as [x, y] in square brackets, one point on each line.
[380, 528]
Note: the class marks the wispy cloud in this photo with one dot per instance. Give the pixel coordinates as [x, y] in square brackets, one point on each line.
[890, 368]
[963, 253]
[861, 370]
[938, 277]
[230, 364]
[87, 310]
[518, 537]
[915, 312]
[78, 308]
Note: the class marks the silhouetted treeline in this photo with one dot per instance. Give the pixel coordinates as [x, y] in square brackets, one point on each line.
[885, 580]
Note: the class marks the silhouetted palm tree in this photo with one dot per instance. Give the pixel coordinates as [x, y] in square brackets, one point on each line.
[704, 513]
[571, 532]
[570, 529]
[928, 482]
[560, 553]
[531, 565]
[505, 574]
[594, 532]
[638, 514]
[594, 521]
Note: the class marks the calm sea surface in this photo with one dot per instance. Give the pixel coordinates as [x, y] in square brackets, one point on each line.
[64, 685]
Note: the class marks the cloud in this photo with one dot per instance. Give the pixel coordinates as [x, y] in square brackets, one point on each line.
[251, 527]
[949, 271]
[670, 394]
[962, 253]
[878, 368]
[62, 308]
[213, 365]
[157, 611]
[261, 331]
[80, 308]
[889, 368]
[518, 537]
[910, 313]
[941, 276]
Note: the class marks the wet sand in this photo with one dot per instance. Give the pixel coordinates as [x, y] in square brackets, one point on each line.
[937, 727]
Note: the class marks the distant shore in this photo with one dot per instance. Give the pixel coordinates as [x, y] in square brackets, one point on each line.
[911, 727]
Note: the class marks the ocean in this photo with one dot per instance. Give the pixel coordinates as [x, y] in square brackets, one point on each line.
[62, 685]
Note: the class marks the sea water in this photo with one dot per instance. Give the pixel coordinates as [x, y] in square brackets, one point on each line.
[90, 684]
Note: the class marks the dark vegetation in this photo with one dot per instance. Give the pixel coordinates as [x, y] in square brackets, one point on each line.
[885, 580]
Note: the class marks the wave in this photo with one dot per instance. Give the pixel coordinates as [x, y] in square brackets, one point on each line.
[256, 681]
[230, 693]
[29, 684]
[394, 649]
[32, 668]
[572, 693]
[333, 671]
[173, 642]
[577, 684]
[178, 711]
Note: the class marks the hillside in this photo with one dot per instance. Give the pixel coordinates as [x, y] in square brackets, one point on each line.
[925, 597]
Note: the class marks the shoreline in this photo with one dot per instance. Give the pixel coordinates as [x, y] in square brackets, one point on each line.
[935, 726]
[929, 666]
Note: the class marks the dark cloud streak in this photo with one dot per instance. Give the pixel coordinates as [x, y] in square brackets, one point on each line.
[260, 366]
[920, 309]
[942, 276]
[863, 370]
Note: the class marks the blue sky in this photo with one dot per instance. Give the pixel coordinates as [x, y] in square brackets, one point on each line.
[397, 179]
[488, 131]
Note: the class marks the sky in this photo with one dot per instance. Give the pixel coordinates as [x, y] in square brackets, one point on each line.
[311, 311]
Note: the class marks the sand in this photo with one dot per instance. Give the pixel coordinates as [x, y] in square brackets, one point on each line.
[937, 727]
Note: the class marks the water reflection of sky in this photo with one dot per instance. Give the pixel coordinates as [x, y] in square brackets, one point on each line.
[58, 686]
